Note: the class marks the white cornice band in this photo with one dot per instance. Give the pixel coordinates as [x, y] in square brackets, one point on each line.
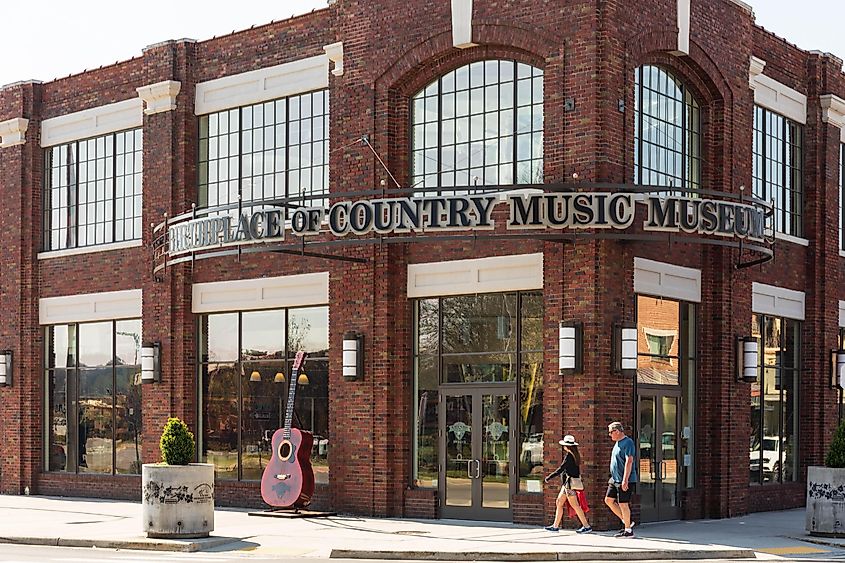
[479, 275]
[660, 279]
[299, 290]
[93, 122]
[87, 307]
[773, 95]
[160, 97]
[833, 112]
[255, 86]
[13, 132]
[777, 301]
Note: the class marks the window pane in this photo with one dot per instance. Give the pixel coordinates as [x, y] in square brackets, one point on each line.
[263, 335]
[94, 434]
[220, 337]
[95, 345]
[479, 323]
[531, 424]
[220, 423]
[471, 368]
[128, 427]
[58, 456]
[128, 342]
[532, 321]
[658, 341]
[264, 397]
[308, 330]
[61, 346]
[312, 407]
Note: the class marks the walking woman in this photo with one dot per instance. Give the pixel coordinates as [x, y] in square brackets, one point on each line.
[570, 472]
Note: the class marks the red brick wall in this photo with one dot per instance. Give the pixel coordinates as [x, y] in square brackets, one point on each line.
[588, 51]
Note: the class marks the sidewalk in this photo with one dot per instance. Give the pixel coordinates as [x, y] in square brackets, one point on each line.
[114, 524]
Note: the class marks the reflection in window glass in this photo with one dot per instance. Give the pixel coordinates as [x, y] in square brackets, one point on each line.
[778, 168]
[266, 152]
[774, 400]
[667, 131]
[102, 434]
[658, 341]
[469, 339]
[480, 124]
[244, 400]
[92, 191]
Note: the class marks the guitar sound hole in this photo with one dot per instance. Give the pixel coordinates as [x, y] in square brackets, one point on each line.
[284, 450]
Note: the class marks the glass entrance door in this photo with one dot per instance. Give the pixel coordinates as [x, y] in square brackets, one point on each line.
[478, 462]
[659, 450]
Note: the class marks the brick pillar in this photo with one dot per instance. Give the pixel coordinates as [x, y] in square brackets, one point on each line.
[20, 178]
[169, 188]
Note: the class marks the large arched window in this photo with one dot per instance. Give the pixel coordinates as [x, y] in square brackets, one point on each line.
[481, 124]
[667, 131]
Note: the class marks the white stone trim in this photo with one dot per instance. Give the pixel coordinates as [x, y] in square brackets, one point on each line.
[13, 132]
[262, 293]
[779, 301]
[335, 54]
[841, 314]
[90, 307]
[47, 254]
[93, 122]
[793, 239]
[261, 85]
[159, 97]
[480, 275]
[833, 110]
[842, 253]
[773, 95]
[660, 279]
[462, 24]
[683, 26]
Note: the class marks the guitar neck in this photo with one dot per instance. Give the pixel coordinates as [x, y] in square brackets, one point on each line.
[291, 401]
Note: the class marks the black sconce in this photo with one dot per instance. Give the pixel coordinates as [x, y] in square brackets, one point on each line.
[6, 368]
[624, 348]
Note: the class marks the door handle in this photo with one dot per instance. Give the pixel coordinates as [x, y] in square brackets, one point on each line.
[663, 471]
[477, 469]
[469, 468]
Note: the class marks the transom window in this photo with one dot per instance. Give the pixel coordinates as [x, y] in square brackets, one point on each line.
[481, 124]
[778, 169]
[92, 191]
[265, 152]
[667, 131]
[774, 400]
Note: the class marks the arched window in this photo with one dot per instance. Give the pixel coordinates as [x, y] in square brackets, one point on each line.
[667, 131]
[481, 124]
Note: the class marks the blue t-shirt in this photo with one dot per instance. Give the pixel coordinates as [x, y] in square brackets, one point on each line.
[621, 450]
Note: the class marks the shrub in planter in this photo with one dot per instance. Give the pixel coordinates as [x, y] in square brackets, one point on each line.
[826, 491]
[177, 443]
[177, 495]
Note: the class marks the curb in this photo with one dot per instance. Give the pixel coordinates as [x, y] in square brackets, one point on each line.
[820, 540]
[183, 546]
[643, 555]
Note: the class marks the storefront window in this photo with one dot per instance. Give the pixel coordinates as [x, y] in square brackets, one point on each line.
[841, 391]
[97, 367]
[487, 338]
[666, 356]
[667, 131]
[778, 168]
[92, 191]
[774, 400]
[479, 125]
[841, 196]
[247, 362]
[266, 152]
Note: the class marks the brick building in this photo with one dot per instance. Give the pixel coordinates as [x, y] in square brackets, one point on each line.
[254, 151]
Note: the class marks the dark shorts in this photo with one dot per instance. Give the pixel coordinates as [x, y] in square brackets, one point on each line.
[614, 490]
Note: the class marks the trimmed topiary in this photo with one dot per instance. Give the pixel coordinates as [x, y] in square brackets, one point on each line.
[836, 453]
[177, 443]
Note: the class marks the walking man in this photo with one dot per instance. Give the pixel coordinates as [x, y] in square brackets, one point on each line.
[623, 478]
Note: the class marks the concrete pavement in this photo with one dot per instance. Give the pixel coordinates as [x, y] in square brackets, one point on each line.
[115, 524]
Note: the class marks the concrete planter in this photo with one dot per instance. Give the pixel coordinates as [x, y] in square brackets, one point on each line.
[178, 500]
[826, 501]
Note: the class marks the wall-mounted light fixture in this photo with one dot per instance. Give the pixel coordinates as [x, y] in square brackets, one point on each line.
[6, 368]
[571, 350]
[747, 358]
[255, 376]
[279, 377]
[150, 362]
[353, 356]
[624, 348]
[837, 369]
[302, 379]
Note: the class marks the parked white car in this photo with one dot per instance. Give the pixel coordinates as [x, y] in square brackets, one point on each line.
[771, 455]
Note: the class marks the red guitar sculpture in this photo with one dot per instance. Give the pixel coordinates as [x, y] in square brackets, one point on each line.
[288, 479]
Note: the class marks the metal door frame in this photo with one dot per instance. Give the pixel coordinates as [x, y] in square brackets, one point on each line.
[662, 512]
[477, 511]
